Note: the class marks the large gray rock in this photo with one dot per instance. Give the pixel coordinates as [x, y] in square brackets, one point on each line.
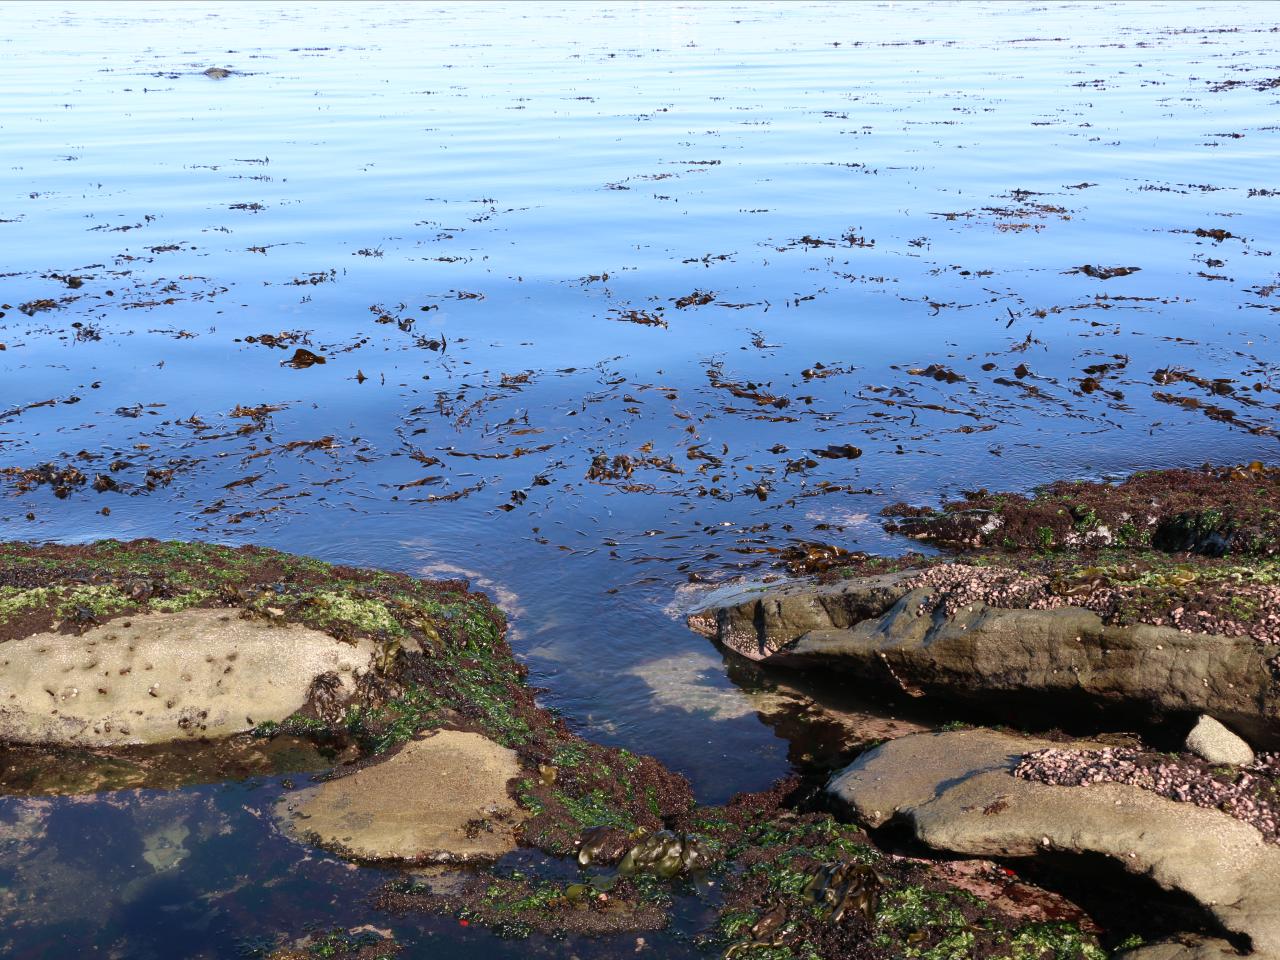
[956, 793]
[157, 677]
[1211, 741]
[875, 630]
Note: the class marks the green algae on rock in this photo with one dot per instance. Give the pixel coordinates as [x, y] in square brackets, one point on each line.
[358, 943]
[435, 671]
[800, 886]
[433, 657]
[795, 886]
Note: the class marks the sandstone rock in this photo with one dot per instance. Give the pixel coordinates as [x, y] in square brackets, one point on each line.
[874, 630]
[956, 793]
[1212, 741]
[165, 676]
[759, 621]
[440, 798]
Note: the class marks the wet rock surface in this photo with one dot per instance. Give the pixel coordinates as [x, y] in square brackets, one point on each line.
[443, 756]
[354, 662]
[955, 792]
[758, 621]
[1151, 599]
[444, 797]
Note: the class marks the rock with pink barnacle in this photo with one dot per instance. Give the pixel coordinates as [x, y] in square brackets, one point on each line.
[1212, 741]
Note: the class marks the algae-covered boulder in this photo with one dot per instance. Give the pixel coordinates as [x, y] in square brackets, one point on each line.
[115, 644]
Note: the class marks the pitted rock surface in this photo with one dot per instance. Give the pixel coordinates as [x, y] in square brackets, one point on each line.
[159, 677]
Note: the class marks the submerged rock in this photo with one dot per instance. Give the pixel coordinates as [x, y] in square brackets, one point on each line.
[1211, 741]
[956, 792]
[157, 677]
[443, 797]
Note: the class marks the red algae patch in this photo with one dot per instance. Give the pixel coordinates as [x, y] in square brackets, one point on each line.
[1214, 511]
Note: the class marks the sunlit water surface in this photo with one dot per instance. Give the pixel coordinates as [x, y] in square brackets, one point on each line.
[836, 224]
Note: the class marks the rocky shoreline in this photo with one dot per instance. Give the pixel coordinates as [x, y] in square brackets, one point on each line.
[1148, 604]
[157, 664]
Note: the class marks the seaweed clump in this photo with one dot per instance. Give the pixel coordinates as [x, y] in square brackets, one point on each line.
[803, 886]
[360, 943]
[1212, 512]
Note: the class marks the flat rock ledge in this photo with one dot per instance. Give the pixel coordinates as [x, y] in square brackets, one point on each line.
[159, 677]
[440, 798]
[955, 791]
[873, 628]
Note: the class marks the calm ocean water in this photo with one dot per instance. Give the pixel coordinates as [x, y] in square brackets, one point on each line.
[592, 284]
